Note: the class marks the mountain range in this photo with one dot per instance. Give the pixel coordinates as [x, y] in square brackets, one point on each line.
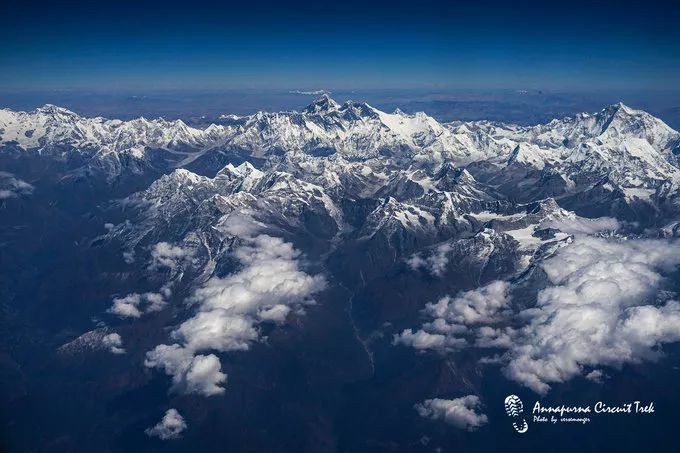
[339, 246]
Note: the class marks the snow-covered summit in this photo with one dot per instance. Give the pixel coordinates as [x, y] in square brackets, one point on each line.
[322, 105]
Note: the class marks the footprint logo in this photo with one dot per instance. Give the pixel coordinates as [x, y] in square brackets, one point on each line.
[514, 409]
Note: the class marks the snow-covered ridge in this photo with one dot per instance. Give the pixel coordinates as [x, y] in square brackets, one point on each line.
[352, 127]
[631, 146]
[52, 126]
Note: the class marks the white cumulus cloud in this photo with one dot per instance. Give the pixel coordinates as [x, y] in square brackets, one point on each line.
[13, 187]
[134, 305]
[455, 318]
[601, 309]
[191, 373]
[170, 427]
[601, 305]
[171, 256]
[267, 288]
[435, 263]
[114, 343]
[460, 412]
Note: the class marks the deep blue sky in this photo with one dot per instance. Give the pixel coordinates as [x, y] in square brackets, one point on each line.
[193, 44]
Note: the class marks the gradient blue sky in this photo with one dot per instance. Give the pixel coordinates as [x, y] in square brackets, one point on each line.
[124, 45]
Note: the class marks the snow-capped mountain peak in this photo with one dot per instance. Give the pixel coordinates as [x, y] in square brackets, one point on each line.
[51, 109]
[322, 105]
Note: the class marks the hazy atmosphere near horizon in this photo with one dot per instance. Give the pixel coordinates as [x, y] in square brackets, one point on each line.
[528, 61]
[359, 226]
